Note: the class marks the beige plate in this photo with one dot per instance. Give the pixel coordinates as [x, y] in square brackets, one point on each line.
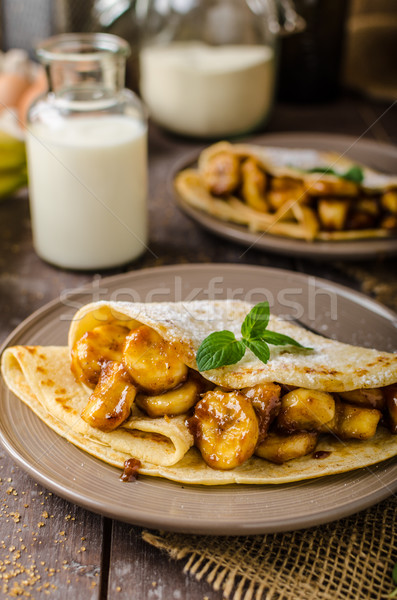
[331, 309]
[382, 157]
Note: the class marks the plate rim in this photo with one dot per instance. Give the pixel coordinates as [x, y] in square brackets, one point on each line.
[184, 525]
[319, 250]
[343, 289]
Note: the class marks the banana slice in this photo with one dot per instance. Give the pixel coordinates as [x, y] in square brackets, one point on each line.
[152, 362]
[225, 428]
[369, 398]
[305, 409]
[279, 448]
[175, 402]
[353, 421]
[94, 348]
[111, 401]
[253, 187]
[320, 186]
[221, 174]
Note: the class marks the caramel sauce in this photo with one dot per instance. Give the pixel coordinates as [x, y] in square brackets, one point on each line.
[266, 401]
[131, 469]
[321, 454]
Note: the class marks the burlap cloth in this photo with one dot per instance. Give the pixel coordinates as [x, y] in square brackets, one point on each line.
[350, 559]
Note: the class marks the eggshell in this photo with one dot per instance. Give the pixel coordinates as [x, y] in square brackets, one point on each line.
[36, 88]
[12, 86]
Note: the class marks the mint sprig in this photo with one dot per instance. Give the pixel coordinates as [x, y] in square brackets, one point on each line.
[354, 173]
[221, 348]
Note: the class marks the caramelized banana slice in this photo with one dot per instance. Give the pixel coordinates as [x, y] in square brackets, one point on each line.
[389, 222]
[360, 220]
[152, 362]
[391, 403]
[333, 213]
[370, 398]
[284, 183]
[265, 398]
[225, 429]
[367, 205]
[110, 403]
[389, 201]
[305, 409]
[356, 422]
[279, 198]
[95, 347]
[175, 402]
[221, 175]
[253, 187]
[319, 186]
[280, 448]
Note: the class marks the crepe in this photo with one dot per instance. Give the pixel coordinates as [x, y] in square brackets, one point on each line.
[41, 377]
[293, 192]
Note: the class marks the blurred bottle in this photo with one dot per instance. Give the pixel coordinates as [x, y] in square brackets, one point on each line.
[208, 67]
[310, 61]
[369, 64]
[87, 156]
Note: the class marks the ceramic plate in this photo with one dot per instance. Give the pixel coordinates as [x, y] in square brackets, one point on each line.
[382, 157]
[331, 309]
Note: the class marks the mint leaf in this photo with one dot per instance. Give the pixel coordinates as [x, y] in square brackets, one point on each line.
[259, 348]
[354, 174]
[256, 321]
[219, 349]
[279, 339]
[323, 171]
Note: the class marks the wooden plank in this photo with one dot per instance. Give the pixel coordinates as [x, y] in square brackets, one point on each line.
[139, 571]
[26, 282]
[47, 545]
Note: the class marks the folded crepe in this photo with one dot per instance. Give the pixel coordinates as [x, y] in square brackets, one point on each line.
[165, 445]
[293, 192]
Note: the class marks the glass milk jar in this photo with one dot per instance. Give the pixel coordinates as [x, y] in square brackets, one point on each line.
[87, 156]
[208, 67]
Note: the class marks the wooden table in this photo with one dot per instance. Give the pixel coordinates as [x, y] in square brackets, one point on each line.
[49, 547]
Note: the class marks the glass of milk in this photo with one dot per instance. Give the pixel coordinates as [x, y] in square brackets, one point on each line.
[208, 67]
[87, 156]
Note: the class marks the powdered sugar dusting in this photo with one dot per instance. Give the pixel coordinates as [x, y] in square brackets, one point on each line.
[330, 365]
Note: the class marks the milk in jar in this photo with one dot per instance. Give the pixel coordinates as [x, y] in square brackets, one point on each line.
[88, 187]
[86, 143]
[193, 88]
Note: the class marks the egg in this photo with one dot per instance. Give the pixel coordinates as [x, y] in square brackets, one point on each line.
[12, 86]
[36, 88]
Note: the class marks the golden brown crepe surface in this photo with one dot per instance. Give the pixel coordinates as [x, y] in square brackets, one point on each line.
[41, 377]
[189, 184]
[331, 366]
